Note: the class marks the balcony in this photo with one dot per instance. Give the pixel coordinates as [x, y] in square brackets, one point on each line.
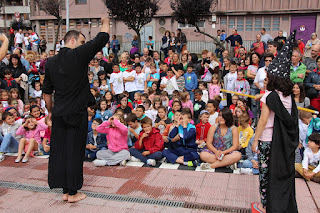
[20, 9]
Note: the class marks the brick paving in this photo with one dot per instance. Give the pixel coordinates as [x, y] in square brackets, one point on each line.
[223, 189]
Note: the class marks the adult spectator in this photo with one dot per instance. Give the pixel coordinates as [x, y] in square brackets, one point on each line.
[106, 66]
[310, 43]
[181, 41]
[145, 55]
[241, 55]
[299, 95]
[24, 62]
[165, 43]
[265, 37]
[258, 46]
[236, 48]
[207, 69]
[310, 62]
[34, 40]
[17, 69]
[280, 39]
[261, 75]
[251, 75]
[173, 41]
[232, 39]
[150, 45]
[18, 39]
[115, 45]
[298, 69]
[312, 84]
[156, 58]
[106, 50]
[301, 46]
[219, 43]
[226, 67]
[175, 63]
[42, 45]
[222, 143]
[273, 49]
[135, 42]
[225, 54]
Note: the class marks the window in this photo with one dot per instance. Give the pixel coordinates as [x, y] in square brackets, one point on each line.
[258, 24]
[223, 20]
[249, 24]
[78, 23]
[276, 24]
[232, 22]
[81, 1]
[267, 23]
[240, 22]
[199, 24]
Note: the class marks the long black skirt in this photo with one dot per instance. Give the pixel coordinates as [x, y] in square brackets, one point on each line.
[67, 148]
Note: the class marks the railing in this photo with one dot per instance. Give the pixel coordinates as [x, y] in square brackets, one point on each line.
[193, 46]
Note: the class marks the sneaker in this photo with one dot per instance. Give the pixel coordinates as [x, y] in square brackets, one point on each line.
[18, 159]
[123, 163]
[25, 160]
[97, 162]
[151, 162]
[233, 166]
[2, 157]
[134, 159]
[205, 166]
[193, 163]
[247, 171]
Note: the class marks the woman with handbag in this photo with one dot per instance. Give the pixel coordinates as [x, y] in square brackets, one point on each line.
[312, 84]
[165, 43]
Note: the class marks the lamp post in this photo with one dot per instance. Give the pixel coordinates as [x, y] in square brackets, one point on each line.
[67, 15]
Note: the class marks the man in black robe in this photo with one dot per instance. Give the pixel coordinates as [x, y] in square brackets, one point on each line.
[66, 76]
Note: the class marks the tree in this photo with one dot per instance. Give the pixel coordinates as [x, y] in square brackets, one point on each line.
[192, 12]
[134, 13]
[52, 8]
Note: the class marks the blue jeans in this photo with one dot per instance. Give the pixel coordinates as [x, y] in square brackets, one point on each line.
[255, 106]
[92, 154]
[191, 95]
[249, 164]
[8, 143]
[138, 154]
[179, 48]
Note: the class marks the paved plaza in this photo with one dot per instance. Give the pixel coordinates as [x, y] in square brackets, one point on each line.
[139, 189]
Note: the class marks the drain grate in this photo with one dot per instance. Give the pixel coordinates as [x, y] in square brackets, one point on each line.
[124, 198]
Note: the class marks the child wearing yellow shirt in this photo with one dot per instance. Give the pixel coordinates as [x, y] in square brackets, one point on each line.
[245, 132]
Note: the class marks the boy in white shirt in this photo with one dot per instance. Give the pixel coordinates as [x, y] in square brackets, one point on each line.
[169, 83]
[129, 77]
[141, 79]
[116, 81]
[310, 167]
[229, 81]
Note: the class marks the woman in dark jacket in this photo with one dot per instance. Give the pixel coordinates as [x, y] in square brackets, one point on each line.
[165, 43]
[17, 69]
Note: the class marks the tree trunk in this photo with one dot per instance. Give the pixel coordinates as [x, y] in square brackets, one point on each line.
[139, 40]
[57, 33]
[199, 31]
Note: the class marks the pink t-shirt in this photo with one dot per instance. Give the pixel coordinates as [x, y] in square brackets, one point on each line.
[213, 90]
[188, 104]
[268, 131]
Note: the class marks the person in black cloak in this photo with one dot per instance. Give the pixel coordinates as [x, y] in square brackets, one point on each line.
[277, 137]
[66, 76]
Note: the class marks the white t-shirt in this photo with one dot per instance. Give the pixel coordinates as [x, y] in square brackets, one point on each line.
[19, 38]
[260, 76]
[130, 86]
[231, 79]
[104, 88]
[26, 40]
[147, 71]
[212, 118]
[310, 158]
[171, 84]
[116, 79]
[37, 93]
[140, 80]
[33, 37]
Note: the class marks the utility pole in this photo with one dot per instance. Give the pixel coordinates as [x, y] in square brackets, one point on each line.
[67, 15]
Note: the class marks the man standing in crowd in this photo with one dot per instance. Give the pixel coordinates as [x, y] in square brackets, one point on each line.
[18, 39]
[258, 46]
[265, 37]
[280, 39]
[232, 39]
[66, 75]
[34, 40]
[311, 62]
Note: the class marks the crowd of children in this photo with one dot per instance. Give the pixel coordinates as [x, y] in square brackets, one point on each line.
[148, 110]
